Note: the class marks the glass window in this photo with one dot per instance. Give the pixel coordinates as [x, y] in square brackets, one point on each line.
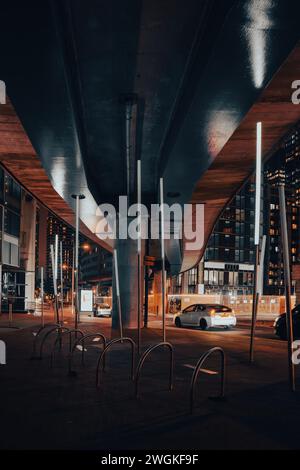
[192, 277]
[211, 277]
[14, 255]
[189, 309]
[179, 280]
[11, 223]
[12, 193]
[6, 253]
[10, 254]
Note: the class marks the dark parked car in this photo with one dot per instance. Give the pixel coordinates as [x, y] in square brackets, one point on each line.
[280, 324]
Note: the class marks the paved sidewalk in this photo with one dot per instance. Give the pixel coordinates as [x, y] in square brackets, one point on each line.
[42, 407]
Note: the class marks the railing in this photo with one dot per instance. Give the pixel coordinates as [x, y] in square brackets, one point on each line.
[81, 341]
[144, 357]
[198, 370]
[36, 338]
[107, 347]
[59, 330]
[59, 339]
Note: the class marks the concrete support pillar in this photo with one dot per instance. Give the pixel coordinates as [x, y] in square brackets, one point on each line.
[157, 290]
[201, 272]
[200, 281]
[28, 232]
[185, 283]
[128, 280]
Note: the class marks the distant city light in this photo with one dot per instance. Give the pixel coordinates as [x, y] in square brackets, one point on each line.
[85, 246]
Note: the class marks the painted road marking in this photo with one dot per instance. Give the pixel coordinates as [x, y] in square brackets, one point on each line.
[206, 371]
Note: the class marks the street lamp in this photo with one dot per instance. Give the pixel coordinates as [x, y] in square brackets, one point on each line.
[85, 246]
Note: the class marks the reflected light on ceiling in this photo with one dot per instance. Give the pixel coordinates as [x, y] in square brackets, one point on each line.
[256, 31]
[58, 176]
[258, 58]
[221, 126]
[88, 211]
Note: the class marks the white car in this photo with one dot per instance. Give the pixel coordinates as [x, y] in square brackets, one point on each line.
[102, 310]
[206, 316]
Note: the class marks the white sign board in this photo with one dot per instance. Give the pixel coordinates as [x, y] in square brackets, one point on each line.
[201, 290]
[86, 300]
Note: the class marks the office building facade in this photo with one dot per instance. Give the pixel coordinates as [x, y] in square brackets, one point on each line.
[228, 263]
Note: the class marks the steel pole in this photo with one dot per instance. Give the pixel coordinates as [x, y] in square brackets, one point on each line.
[76, 274]
[72, 281]
[260, 278]
[163, 275]
[77, 198]
[139, 243]
[146, 287]
[56, 257]
[56, 313]
[61, 281]
[254, 304]
[258, 182]
[42, 296]
[0, 289]
[118, 292]
[287, 281]
[56, 276]
[53, 276]
[256, 235]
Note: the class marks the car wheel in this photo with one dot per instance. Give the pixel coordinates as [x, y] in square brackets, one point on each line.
[203, 324]
[178, 322]
[282, 334]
